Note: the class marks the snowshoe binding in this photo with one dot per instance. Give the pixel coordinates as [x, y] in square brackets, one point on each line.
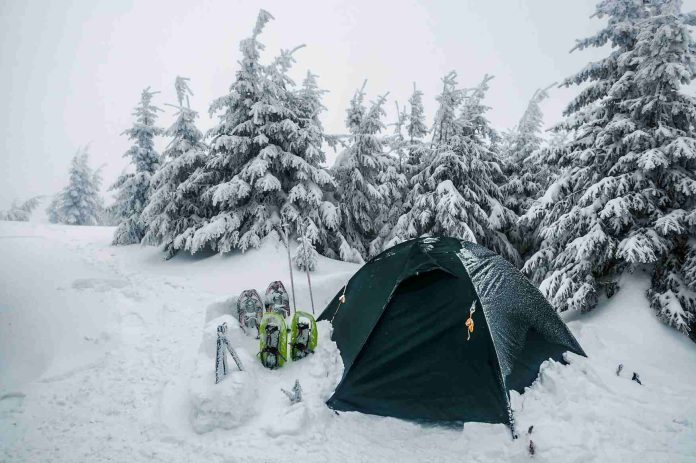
[303, 339]
[277, 299]
[249, 310]
[273, 350]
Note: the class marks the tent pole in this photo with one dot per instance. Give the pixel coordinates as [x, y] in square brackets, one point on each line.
[309, 281]
[292, 281]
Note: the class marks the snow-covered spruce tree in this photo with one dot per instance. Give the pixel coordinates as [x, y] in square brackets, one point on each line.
[525, 179]
[455, 194]
[416, 130]
[449, 100]
[79, 202]
[392, 183]
[53, 210]
[667, 61]
[544, 161]
[627, 195]
[265, 154]
[316, 219]
[397, 142]
[174, 205]
[133, 188]
[357, 177]
[21, 211]
[306, 256]
[393, 187]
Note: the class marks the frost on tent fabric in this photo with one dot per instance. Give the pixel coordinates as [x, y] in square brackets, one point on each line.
[133, 188]
[626, 197]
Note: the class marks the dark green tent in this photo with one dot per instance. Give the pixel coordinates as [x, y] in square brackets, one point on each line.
[403, 337]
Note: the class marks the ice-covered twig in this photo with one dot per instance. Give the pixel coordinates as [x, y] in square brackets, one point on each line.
[295, 395]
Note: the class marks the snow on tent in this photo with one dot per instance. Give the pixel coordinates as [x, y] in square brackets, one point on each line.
[403, 326]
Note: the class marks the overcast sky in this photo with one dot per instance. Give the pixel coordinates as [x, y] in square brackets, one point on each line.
[72, 71]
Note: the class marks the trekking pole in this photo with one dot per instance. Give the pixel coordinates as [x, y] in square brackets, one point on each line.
[292, 281]
[306, 266]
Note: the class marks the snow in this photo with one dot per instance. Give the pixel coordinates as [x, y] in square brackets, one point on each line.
[107, 354]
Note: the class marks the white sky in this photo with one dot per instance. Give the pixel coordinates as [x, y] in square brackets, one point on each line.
[71, 71]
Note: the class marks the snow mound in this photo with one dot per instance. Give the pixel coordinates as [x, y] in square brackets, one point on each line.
[230, 403]
[290, 422]
[318, 374]
[218, 309]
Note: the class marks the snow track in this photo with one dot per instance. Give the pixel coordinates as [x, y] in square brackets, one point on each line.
[103, 350]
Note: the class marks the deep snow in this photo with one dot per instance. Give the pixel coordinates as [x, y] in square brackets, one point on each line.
[107, 354]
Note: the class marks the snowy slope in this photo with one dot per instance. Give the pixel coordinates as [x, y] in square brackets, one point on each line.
[106, 355]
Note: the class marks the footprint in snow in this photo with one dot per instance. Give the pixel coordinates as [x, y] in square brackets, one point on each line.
[98, 284]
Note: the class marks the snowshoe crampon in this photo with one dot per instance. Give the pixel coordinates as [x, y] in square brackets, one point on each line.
[303, 339]
[277, 299]
[249, 309]
[273, 350]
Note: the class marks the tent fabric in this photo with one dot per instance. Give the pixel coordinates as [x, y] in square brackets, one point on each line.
[403, 338]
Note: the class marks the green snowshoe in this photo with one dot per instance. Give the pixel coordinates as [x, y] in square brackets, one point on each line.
[303, 339]
[274, 341]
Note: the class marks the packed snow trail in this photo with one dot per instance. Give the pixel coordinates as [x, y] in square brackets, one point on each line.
[104, 350]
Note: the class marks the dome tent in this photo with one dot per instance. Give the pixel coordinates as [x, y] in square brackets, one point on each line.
[402, 334]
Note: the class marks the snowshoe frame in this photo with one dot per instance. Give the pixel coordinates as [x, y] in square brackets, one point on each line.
[273, 356]
[298, 350]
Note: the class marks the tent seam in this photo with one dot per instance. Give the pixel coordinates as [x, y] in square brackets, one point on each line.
[511, 418]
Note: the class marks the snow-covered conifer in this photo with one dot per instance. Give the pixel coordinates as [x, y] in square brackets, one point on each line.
[626, 195]
[455, 193]
[79, 202]
[306, 255]
[392, 181]
[174, 205]
[416, 131]
[265, 154]
[397, 143]
[310, 201]
[133, 188]
[53, 210]
[359, 197]
[20, 211]
[450, 100]
[526, 179]
[393, 187]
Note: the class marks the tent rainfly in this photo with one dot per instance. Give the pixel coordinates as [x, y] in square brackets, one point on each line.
[405, 339]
